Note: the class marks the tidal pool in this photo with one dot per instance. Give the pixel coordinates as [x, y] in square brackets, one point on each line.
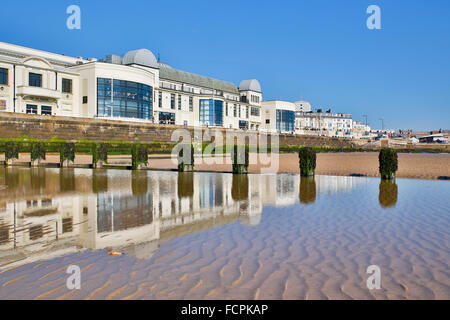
[219, 236]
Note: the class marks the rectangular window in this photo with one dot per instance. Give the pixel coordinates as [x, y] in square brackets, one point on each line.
[254, 112]
[3, 76]
[85, 100]
[35, 80]
[226, 109]
[46, 110]
[191, 104]
[166, 118]
[234, 111]
[179, 102]
[67, 85]
[246, 112]
[160, 99]
[243, 125]
[211, 112]
[31, 109]
[239, 111]
[172, 101]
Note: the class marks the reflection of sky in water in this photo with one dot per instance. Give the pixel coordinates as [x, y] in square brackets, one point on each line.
[42, 208]
[45, 214]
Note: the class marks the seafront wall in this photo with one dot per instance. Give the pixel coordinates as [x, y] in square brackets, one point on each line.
[14, 125]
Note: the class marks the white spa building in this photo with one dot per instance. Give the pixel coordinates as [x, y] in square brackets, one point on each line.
[132, 87]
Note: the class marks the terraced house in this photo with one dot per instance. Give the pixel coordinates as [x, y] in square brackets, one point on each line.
[132, 87]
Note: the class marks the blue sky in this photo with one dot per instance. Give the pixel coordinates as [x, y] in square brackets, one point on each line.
[319, 50]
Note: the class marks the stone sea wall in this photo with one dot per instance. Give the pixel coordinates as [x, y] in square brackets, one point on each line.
[14, 125]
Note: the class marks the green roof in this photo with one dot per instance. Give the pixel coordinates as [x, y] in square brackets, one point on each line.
[196, 80]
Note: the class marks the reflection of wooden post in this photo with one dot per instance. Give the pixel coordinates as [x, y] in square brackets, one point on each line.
[307, 190]
[388, 193]
[56, 230]
[239, 187]
[185, 185]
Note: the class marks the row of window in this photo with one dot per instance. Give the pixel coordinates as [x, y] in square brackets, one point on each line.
[254, 111]
[35, 80]
[33, 109]
[254, 99]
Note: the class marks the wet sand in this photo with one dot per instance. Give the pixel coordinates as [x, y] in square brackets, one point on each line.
[316, 251]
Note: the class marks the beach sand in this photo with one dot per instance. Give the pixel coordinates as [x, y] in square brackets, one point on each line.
[316, 251]
[411, 165]
[415, 166]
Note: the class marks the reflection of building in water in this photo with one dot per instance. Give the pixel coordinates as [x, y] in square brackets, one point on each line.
[333, 184]
[46, 213]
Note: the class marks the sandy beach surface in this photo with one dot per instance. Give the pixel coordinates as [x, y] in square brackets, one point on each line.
[411, 165]
[415, 166]
[288, 238]
[319, 250]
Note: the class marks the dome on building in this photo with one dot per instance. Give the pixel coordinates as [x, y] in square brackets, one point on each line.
[250, 85]
[141, 57]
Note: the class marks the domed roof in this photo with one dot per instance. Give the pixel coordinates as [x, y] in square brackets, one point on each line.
[141, 57]
[250, 85]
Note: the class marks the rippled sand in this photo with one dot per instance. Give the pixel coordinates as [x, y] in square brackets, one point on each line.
[315, 251]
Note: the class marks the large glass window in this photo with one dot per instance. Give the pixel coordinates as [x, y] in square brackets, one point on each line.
[35, 80]
[211, 112]
[285, 120]
[126, 99]
[67, 85]
[3, 76]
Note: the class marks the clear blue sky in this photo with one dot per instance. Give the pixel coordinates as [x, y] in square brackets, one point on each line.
[320, 50]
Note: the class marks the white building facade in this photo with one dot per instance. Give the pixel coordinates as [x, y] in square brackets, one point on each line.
[278, 116]
[324, 123]
[135, 87]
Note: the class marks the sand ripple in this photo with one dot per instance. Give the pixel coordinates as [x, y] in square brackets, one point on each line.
[318, 251]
